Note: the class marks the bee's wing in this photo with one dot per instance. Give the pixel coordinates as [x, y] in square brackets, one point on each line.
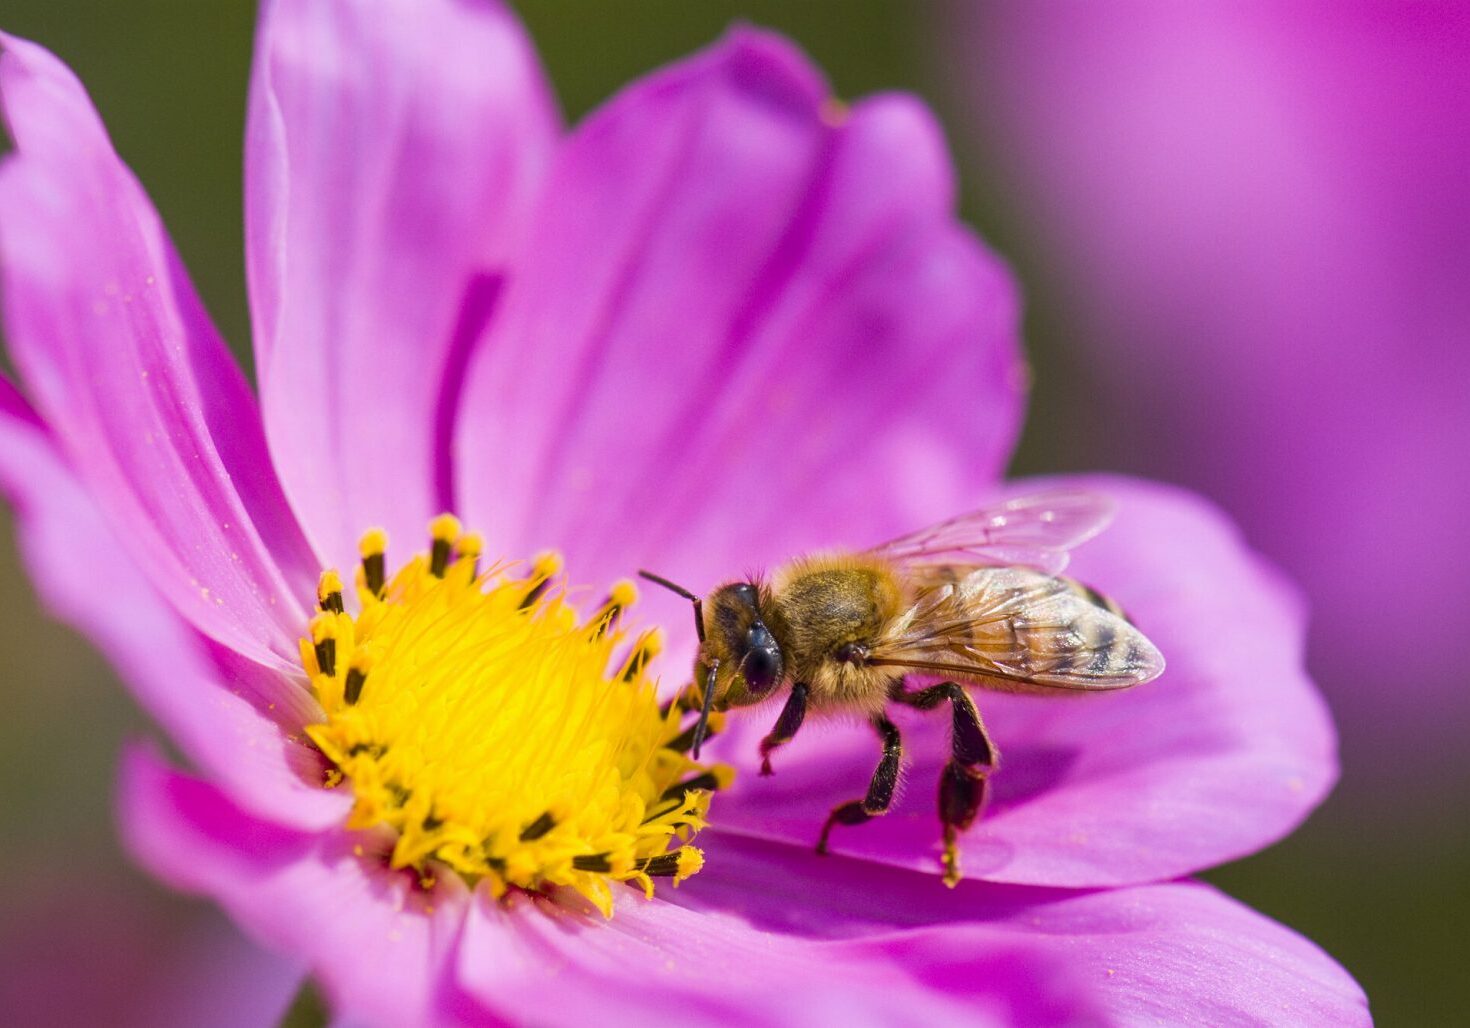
[1018, 628]
[1035, 530]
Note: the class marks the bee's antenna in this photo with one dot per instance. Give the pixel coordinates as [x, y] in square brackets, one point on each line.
[701, 727]
[698, 603]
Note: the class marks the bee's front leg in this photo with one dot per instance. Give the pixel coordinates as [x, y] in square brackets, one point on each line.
[880, 787]
[786, 725]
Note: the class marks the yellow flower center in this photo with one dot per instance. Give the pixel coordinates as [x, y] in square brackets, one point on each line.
[496, 731]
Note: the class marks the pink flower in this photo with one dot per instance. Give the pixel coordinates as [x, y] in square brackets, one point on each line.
[724, 320]
[1255, 215]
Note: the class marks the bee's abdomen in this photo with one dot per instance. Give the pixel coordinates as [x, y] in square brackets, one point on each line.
[1095, 598]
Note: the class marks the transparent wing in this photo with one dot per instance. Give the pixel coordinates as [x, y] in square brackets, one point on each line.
[1013, 627]
[1033, 530]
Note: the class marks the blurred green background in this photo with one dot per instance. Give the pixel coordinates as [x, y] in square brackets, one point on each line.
[1381, 883]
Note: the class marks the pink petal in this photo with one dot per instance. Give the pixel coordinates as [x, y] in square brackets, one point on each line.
[1224, 754]
[1177, 953]
[766, 933]
[71, 955]
[748, 323]
[375, 941]
[231, 717]
[534, 962]
[394, 151]
[118, 353]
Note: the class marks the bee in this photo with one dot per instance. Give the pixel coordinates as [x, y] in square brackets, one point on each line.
[977, 601]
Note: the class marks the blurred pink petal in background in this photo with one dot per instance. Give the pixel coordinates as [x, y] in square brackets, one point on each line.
[1255, 217]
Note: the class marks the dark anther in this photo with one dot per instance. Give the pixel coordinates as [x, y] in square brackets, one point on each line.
[373, 571]
[372, 749]
[538, 827]
[439, 557]
[534, 594]
[332, 603]
[431, 823]
[326, 656]
[665, 865]
[596, 862]
[704, 781]
[640, 658]
[685, 739]
[352, 688]
[606, 622]
[399, 793]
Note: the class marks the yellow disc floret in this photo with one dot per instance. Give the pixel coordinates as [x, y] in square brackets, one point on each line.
[495, 730]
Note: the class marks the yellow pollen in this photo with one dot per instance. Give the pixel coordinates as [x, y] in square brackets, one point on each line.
[496, 731]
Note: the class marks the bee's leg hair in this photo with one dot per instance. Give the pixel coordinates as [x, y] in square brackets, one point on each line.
[965, 781]
[880, 787]
[786, 725]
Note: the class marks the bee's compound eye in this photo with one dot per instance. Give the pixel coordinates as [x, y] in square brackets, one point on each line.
[761, 665]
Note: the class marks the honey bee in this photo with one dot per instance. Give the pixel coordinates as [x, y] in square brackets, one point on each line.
[978, 600]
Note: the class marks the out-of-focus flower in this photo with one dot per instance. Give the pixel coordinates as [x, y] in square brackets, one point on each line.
[70, 953]
[724, 320]
[1256, 218]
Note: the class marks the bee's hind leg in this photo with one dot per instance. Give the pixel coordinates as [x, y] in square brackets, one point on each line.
[880, 787]
[965, 781]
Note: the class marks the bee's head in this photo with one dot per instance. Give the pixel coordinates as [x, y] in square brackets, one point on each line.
[735, 642]
[736, 635]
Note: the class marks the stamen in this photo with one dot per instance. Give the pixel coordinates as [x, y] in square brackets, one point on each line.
[623, 595]
[471, 545]
[372, 547]
[546, 566]
[538, 827]
[362, 660]
[329, 592]
[711, 780]
[649, 645]
[479, 717]
[680, 863]
[324, 643]
[446, 530]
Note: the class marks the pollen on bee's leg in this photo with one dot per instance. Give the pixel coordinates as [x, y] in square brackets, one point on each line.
[445, 531]
[373, 548]
[962, 794]
[498, 731]
[952, 873]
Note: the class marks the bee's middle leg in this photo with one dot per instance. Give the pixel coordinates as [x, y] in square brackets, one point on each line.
[965, 781]
[880, 787]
